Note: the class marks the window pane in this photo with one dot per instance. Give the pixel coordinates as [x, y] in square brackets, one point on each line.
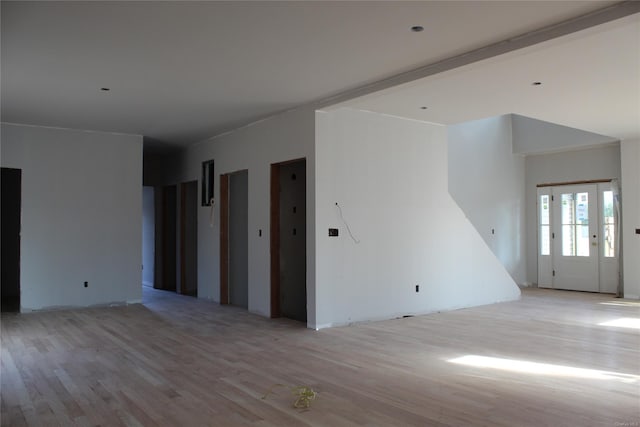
[568, 208]
[609, 241]
[582, 208]
[575, 224]
[582, 240]
[544, 209]
[545, 241]
[609, 224]
[568, 240]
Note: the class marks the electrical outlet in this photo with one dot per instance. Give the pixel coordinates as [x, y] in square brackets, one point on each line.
[333, 232]
[417, 288]
[86, 284]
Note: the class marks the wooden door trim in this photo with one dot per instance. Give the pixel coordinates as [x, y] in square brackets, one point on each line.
[588, 181]
[224, 239]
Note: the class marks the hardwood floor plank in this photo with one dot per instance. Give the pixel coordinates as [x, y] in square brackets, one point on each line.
[176, 360]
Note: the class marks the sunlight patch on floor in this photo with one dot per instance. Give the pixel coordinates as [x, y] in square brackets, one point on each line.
[621, 303]
[623, 322]
[535, 368]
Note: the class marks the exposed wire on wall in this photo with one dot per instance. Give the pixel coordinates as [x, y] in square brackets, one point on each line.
[213, 208]
[346, 224]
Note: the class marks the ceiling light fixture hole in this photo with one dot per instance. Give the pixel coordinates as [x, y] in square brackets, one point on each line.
[105, 89]
[423, 108]
[417, 28]
[536, 83]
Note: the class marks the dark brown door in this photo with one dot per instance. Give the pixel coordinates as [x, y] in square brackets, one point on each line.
[288, 240]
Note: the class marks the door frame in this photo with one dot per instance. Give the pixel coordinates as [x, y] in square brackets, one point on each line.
[550, 263]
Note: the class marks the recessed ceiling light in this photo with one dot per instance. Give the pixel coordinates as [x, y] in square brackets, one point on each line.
[105, 89]
[417, 28]
[536, 83]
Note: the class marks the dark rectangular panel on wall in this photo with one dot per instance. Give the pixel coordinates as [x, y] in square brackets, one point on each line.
[207, 182]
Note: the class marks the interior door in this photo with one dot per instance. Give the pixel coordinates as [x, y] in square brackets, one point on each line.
[575, 237]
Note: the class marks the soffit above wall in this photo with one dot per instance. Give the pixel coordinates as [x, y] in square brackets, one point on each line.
[590, 80]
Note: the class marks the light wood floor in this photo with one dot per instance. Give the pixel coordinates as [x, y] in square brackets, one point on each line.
[178, 361]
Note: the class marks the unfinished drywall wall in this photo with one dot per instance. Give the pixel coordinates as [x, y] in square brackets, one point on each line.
[488, 182]
[531, 136]
[287, 136]
[389, 176]
[81, 215]
[569, 166]
[630, 163]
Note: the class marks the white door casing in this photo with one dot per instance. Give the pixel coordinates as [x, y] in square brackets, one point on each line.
[576, 238]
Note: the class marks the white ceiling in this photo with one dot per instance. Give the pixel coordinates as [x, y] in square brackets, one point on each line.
[590, 81]
[183, 71]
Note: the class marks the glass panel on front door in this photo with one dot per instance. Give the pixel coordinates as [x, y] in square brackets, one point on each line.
[545, 225]
[608, 224]
[575, 224]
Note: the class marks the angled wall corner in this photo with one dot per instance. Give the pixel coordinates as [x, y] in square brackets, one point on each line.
[487, 181]
[389, 176]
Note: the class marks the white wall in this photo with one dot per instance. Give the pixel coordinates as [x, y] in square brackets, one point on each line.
[255, 147]
[531, 136]
[389, 175]
[488, 182]
[577, 165]
[81, 215]
[148, 236]
[630, 157]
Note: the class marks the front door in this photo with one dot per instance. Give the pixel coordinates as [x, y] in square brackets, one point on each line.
[577, 238]
[575, 216]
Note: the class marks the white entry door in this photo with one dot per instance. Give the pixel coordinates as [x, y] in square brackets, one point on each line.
[575, 237]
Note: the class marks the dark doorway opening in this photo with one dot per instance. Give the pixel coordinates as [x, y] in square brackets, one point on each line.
[166, 241]
[234, 242]
[11, 202]
[288, 240]
[189, 238]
